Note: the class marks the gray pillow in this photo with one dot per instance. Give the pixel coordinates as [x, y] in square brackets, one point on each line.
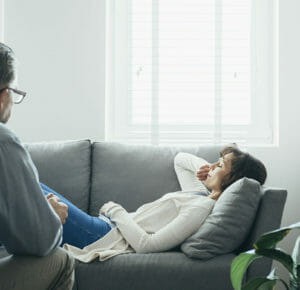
[228, 225]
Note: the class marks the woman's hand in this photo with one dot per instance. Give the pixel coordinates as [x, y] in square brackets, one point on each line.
[203, 172]
[106, 207]
[59, 207]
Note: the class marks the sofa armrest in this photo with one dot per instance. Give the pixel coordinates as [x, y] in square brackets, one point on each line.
[268, 218]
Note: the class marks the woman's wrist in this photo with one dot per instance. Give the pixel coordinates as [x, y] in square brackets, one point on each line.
[215, 195]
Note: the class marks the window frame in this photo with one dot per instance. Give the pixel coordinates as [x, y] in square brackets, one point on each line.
[263, 131]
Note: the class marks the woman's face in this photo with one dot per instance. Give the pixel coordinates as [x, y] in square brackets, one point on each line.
[217, 172]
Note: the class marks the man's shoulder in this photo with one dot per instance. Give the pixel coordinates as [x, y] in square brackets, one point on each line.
[6, 135]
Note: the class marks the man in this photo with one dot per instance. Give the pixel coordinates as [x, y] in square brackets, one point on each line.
[30, 224]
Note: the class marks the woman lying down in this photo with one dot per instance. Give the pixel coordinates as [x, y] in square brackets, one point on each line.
[164, 223]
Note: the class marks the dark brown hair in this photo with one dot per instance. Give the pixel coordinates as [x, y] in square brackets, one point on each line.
[242, 165]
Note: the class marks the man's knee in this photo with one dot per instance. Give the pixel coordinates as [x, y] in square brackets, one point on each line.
[55, 271]
[65, 264]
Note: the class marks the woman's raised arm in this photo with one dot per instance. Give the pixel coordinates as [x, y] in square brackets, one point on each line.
[186, 166]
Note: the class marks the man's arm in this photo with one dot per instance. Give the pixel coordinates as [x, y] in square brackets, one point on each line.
[28, 224]
[186, 166]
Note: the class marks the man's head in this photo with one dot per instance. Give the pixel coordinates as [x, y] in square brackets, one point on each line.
[7, 79]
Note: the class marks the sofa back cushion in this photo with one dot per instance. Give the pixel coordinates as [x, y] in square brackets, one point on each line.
[65, 167]
[136, 174]
[229, 223]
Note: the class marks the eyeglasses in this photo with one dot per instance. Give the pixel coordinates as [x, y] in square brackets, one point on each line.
[17, 95]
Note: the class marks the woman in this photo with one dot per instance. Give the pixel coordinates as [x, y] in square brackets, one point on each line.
[166, 222]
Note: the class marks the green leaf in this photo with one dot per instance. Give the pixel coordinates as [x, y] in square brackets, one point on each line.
[260, 283]
[270, 239]
[295, 253]
[239, 266]
[279, 255]
[294, 283]
[273, 276]
[295, 256]
[268, 285]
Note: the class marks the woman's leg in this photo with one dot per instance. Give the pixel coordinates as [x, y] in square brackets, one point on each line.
[80, 228]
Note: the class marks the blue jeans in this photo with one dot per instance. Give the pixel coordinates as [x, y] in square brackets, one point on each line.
[80, 228]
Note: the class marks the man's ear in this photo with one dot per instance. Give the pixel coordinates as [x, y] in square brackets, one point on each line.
[2, 96]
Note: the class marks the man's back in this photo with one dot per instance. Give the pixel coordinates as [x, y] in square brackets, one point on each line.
[28, 225]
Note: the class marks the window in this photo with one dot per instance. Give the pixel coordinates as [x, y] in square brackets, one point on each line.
[190, 72]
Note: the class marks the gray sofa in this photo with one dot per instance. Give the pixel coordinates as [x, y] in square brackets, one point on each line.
[90, 174]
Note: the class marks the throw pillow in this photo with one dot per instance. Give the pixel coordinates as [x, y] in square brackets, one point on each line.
[229, 222]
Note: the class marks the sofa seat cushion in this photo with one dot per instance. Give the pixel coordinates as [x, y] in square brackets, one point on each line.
[65, 166]
[229, 223]
[168, 270]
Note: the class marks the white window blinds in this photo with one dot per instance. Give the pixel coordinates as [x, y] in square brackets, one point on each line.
[190, 72]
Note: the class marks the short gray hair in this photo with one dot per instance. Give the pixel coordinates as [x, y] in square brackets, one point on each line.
[7, 65]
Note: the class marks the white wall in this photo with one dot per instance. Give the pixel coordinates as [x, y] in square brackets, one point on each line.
[282, 161]
[60, 45]
[1, 20]
[61, 49]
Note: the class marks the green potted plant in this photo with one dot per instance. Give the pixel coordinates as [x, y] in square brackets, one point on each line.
[264, 247]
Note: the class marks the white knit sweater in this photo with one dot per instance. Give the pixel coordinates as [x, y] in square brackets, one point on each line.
[156, 226]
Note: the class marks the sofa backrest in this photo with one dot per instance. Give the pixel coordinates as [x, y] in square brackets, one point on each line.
[65, 167]
[136, 174]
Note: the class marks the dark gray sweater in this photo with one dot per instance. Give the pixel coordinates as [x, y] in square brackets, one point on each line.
[28, 224]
